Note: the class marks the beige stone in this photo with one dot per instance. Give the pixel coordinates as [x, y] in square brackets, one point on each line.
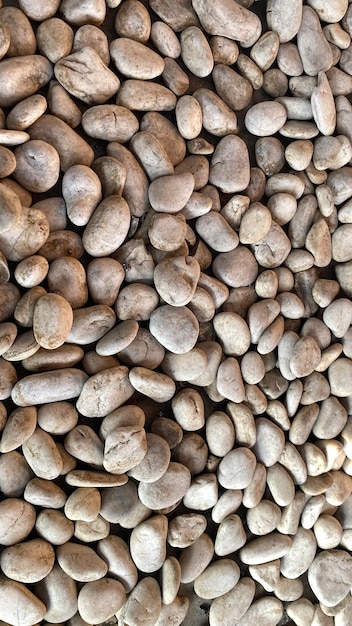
[225, 19]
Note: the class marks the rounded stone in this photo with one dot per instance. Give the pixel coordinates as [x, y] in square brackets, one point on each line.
[167, 490]
[176, 328]
[217, 579]
[28, 562]
[236, 469]
[80, 562]
[100, 600]
[17, 519]
[19, 605]
[340, 377]
[330, 576]
[265, 118]
[148, 543]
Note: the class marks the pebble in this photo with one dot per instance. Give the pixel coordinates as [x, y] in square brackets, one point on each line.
[217, 117]
[237, 468]
[18, 603]
[186, 528]
[220, 433]
[224, 19]
[142, 95]
[148, 543]
[230, 535]
[42, 455]
[132, 20]
[217, 579]
[270, 442]
[168, 489]
[53, 526]
[323, 106]
[169, 335]
[165, 40]
[189, 365]
[328, 532]
[17, 520]
[155, 462]
[159, 387]
[116, 553]
[170, 580]
[143, 605]
[80, 562]
[42, 492]
[101, 599]
[115, 379]
[235, 176]
[301, 554]
[195, 558]
[322, 58]
[263, 518]
[176, 278]
[268, 609]
[329, 576]
[235, 90]
[267, 548]
[170, 193]
[175, 78]
[135, 60]
[28, 562]
[195, 52]
[338, 374]
[125, 447]
[232, 605]
[263, 120]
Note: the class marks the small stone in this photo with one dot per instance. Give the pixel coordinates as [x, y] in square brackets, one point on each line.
[217, 579]
[135, 60]
[330, 576]
[148, 543]
[28, 562]
[268, 548]
[234, 176]
[168, 490]
[339, 374]
[237, 468]
[100, 600]
[19, 605]
[230, 535]
[265, 118]
[195, 558]
[81, 562]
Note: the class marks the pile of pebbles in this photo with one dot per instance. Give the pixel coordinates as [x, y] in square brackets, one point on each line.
[175, 312]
